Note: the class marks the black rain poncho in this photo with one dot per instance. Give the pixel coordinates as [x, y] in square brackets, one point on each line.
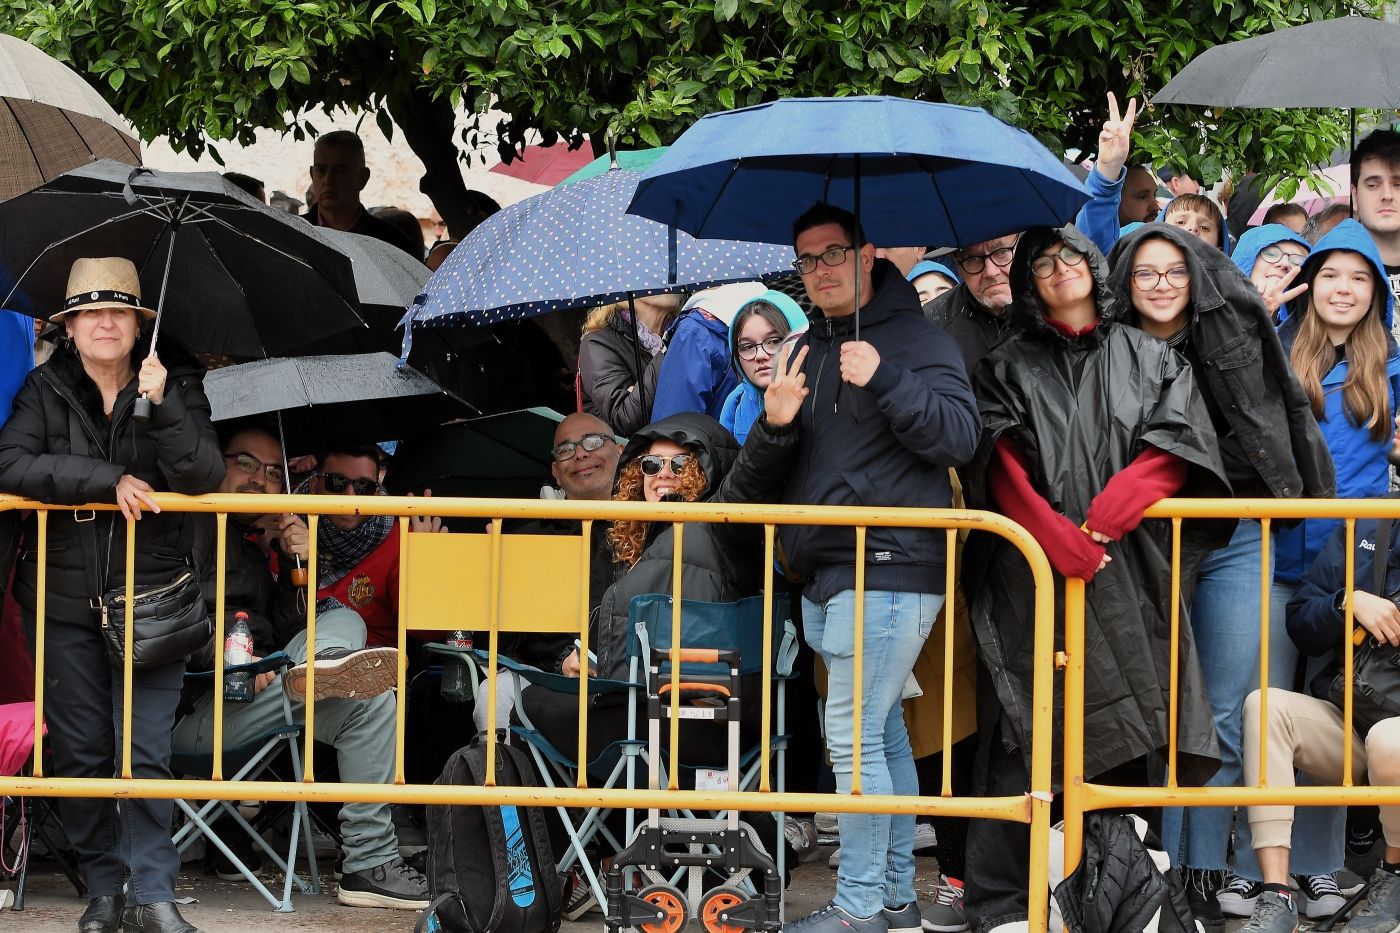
[1081, 409]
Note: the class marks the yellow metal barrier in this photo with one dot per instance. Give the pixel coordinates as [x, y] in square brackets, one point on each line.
[1080, 796]
[431, 573]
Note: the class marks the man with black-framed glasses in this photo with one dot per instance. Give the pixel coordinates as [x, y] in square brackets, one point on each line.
[975, 312]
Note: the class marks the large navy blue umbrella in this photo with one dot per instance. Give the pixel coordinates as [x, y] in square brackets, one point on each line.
[929, 174]
[576, 246]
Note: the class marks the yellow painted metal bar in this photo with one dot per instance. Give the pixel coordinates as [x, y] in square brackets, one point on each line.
[1174, 681]
[1042, 730]
[949, 612]
[313, 586]
[765, 735]
[677, 563]
[493, 649]
[128, 670]
[220, 595]
[858, 674]
[1074, 723]
[1266, 593]
[1349, 649]
[401, 703]
[40, 635]
[585, 569]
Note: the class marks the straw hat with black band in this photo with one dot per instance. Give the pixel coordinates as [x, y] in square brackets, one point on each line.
[108, 282]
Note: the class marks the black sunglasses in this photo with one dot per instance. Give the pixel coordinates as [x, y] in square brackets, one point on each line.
[334, 482]
[652, 463]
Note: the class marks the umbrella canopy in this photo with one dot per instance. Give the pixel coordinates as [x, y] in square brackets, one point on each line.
[1332, 185]
[930, 174]
[334, 400]
[506, 455]
[576, 246]
[236, 277]
[1353, 61]
[633, 160]
[386, 280]
[51, 120]
[545, 165]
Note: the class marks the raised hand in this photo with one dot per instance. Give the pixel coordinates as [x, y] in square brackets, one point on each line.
[783, 398]
[1115, 140]
[1274, 294]
[426, 524]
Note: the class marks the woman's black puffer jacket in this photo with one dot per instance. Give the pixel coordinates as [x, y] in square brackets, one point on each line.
[722, 562]
[617, 376]
[177, 451]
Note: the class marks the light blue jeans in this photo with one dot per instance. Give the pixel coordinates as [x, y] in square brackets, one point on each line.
[877, 850]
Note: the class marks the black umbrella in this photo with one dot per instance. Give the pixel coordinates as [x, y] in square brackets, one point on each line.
[1349, 62]
[228, 274]
[499, 456]
[328, 401]
[387, 280]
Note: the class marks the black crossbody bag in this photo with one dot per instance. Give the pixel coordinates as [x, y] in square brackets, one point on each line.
[1375, 667]
[169, 621]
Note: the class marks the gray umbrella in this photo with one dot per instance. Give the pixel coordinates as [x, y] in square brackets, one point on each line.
[328, 401]
[387, 279]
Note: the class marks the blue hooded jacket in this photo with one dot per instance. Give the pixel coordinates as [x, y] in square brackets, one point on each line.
[16, 356]
[745, 403]
[1255, 239]
[695, 375]
[1363, 467]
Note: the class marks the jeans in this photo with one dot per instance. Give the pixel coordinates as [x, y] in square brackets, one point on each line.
[83, 710]
[877, 850]
[362, 732]
[1225, 622]
[1319, 833]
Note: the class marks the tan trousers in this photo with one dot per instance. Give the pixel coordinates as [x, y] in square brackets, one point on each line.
[1305, 733]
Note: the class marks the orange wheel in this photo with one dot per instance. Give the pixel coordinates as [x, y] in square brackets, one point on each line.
[670, 902]
[715, 905]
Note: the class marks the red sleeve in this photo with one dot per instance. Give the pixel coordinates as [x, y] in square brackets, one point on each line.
[1071, 552]
[1118, 508]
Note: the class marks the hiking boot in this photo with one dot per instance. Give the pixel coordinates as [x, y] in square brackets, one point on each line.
[833, 919]
[1318, 896]
[1273, 913]
[1237, 896]
[392, 884]
[802, 836]
[1382, 912]
[346, 674]
[945, 914]
[924, 837]
[904, 919]
[579, 898]
[1202, 885]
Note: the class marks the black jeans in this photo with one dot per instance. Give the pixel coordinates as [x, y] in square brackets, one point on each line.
[83, 710]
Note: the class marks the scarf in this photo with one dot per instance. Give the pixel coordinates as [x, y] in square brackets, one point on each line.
[338, 552]
[652, 343]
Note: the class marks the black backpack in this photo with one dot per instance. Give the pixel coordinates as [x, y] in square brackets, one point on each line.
[490, 869]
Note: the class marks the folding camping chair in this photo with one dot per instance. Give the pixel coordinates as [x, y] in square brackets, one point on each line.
[24, 818]
[255, 759]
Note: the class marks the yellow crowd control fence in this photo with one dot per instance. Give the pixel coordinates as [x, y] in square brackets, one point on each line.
[496, 582]
[1082, 796]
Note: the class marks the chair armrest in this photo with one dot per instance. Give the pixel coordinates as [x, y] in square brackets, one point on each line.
[276, 661]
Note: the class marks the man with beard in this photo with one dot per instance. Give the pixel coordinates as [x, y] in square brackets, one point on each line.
[355, 709]
[974, 313]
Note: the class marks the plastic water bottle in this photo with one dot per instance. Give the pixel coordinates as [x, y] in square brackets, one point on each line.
[456, 684]
[238, 649]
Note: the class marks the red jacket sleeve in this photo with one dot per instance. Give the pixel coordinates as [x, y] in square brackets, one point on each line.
[1071, 552]
[1117, 509]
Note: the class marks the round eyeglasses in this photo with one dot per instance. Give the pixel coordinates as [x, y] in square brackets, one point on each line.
[566, 450]
[1042, 267]
[1147, 279]
[1276, 253]
[770, 347]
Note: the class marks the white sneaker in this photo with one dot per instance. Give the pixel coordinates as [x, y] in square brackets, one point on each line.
[924, 837]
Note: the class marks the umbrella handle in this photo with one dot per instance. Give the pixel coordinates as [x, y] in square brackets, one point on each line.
[299, 577]
[141, 411]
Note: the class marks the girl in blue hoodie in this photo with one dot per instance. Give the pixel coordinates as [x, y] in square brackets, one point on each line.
[759, 329]
[1271, 257]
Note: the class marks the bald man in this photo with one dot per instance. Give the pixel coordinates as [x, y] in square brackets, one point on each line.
[581, 472]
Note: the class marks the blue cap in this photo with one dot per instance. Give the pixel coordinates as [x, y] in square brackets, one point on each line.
[937, 268]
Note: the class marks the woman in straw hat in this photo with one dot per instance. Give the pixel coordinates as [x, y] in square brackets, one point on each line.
[72, 440]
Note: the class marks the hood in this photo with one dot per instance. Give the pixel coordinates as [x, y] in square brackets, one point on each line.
[792, 313]
[1348, 235]
[1024, 300]
[1256, 238]
[724, 301]
[715, 446]
[1207, 265]
[937, 268]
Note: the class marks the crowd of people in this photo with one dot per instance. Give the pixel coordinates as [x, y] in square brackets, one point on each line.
[1066, 377]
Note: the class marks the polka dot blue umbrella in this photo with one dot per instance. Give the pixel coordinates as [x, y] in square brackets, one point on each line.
[576, 246]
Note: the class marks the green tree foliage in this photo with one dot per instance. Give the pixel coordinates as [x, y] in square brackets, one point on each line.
[642, 70]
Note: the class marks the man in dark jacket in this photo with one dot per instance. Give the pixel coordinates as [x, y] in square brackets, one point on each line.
[887, 415]
[355, 710]
[974, 313]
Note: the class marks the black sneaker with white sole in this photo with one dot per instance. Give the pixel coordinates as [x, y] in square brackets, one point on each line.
[346, 674]
[578, 896]
[393, 884]
[1237, 896]
[1318, 896]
